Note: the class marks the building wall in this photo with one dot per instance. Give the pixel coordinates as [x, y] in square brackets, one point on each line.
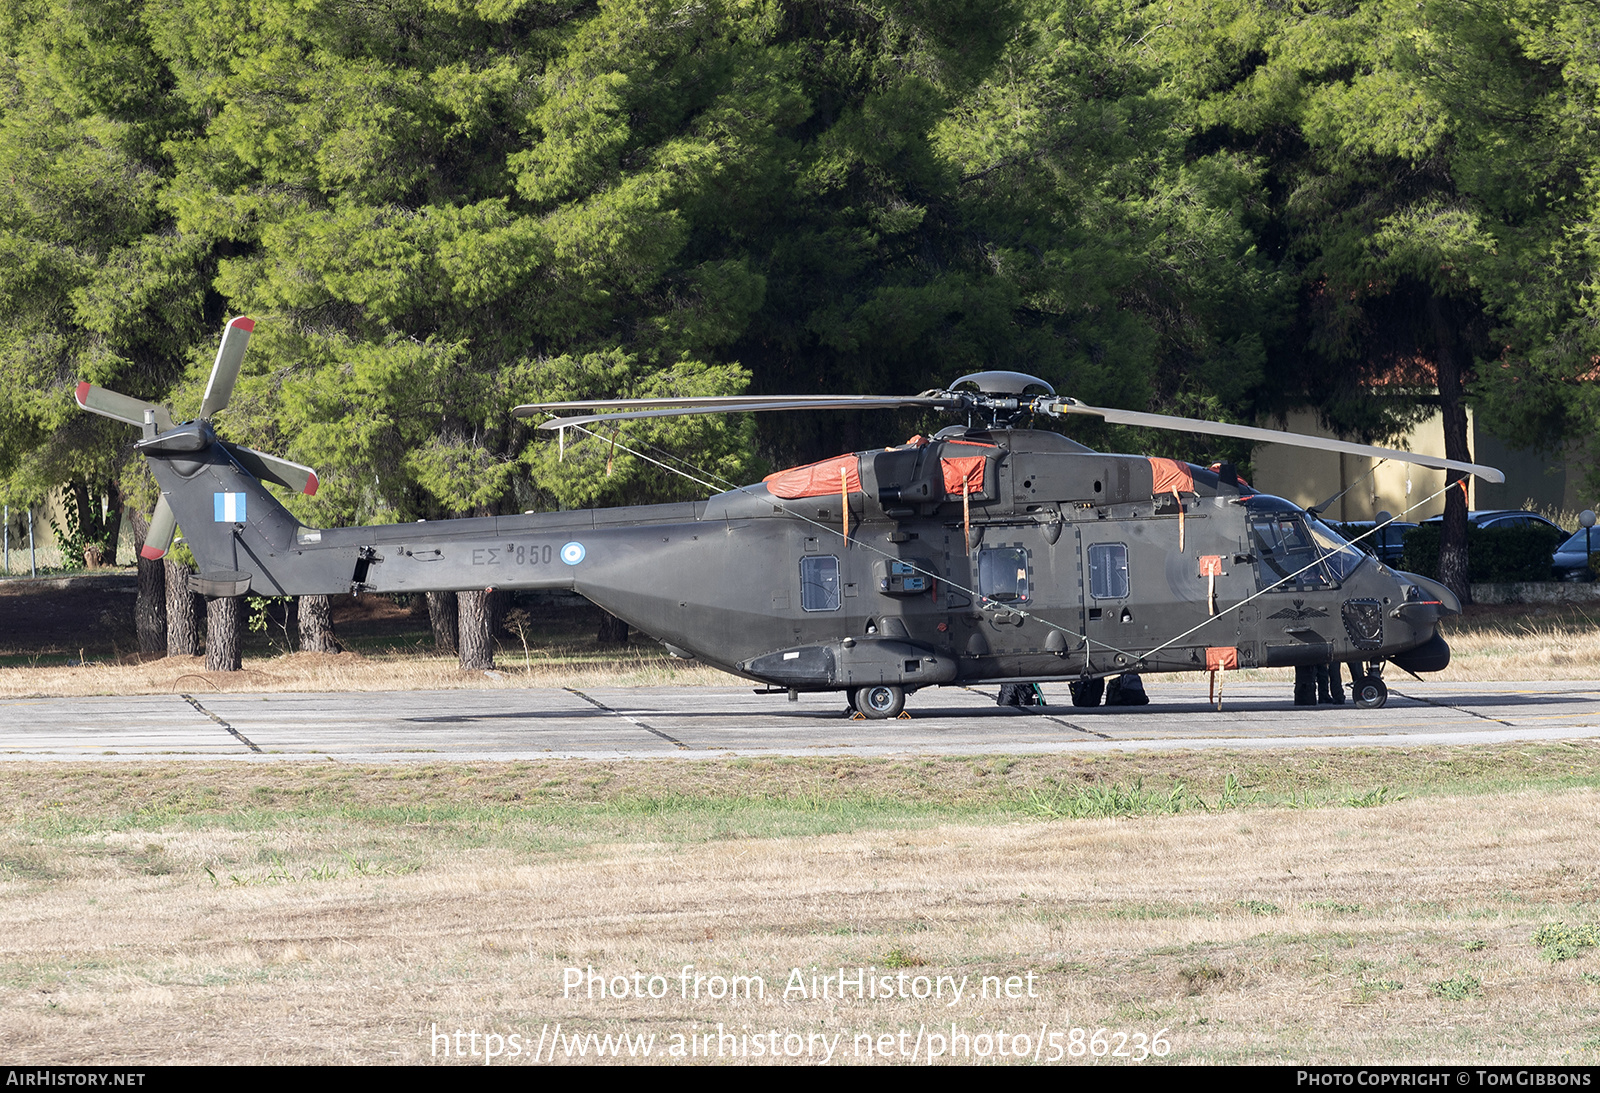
[1369, 486]
[1540, 481]
[1537, 480]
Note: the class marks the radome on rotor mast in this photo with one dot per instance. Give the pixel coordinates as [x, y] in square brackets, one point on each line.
[986, 553]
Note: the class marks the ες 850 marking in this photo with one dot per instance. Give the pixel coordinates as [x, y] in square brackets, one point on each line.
[513, 554]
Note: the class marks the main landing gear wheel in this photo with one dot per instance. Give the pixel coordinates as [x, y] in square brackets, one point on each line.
[881, 702]
[1371, 694]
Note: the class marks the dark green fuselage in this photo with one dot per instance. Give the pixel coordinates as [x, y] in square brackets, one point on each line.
[1065, 565]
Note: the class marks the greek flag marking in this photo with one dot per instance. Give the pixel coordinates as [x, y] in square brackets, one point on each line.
[229, 507]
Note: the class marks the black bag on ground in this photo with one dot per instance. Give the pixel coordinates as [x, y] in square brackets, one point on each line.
[1126, 690]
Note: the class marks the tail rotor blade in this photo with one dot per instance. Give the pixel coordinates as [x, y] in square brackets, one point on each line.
[230, 354]
[270, 468]
[98, 400]
[163, 526]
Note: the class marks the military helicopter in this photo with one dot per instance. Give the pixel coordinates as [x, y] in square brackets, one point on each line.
[988, 552]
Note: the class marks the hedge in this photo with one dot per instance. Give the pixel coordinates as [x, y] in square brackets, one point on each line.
[1493, 554]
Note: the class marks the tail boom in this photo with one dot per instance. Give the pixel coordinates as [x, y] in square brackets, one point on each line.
[245, 540]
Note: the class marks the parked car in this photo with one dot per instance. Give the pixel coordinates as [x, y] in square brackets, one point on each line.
[1571, 558]
[1505, 518]
[1386, 544]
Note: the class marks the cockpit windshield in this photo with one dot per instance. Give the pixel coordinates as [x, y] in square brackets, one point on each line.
[1337, 554]
[1295, 552]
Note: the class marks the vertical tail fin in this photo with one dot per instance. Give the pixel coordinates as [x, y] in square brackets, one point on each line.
[241, 536]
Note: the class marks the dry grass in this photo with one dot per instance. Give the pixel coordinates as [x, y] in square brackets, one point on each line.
[585, 800]
[168, 924]
[1515, 642]
[351, 672]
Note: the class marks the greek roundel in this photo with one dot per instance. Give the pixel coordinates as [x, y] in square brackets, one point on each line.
[572, 553]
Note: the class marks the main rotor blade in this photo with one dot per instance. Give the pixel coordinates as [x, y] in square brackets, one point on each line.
[163, 526]
[770, 402]
[1060, 407]
[98, 400]
[529, 409]
[230, 354]
[270, 468]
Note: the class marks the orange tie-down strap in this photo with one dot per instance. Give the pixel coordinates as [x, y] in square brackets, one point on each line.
[1170, 476]
[1222, 657]
[816, 479]
[963, 470]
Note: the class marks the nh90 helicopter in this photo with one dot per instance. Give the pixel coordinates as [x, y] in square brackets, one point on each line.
[985, 553]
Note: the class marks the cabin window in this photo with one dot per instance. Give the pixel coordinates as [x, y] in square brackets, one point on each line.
[819, 583]
[1003, 574]
[1108, 571]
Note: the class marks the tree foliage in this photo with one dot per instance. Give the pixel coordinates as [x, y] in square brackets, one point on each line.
[438, 209]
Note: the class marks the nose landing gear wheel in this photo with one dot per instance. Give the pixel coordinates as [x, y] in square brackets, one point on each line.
[881, 702]
[1371, 694]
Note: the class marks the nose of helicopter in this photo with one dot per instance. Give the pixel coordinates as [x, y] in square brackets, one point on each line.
[1423, 602]
[1425, 592]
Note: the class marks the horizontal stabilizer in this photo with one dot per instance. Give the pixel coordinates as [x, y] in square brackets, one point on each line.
[229, 583]
[270, 468]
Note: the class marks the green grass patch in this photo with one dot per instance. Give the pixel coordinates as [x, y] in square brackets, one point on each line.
[1260, 907]
[1334, 906]
[1369, 989]
[1559, 941]
[1458, 988]
[560, 805]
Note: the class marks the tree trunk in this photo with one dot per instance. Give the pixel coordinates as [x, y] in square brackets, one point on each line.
[476, 639]
[613, 631]
[95, 527]
[316, 625]
[183, 619]
[499, 604]
[150, 607]
[1453, 568]
[442, 618]
[113, 525]
[224, 633]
